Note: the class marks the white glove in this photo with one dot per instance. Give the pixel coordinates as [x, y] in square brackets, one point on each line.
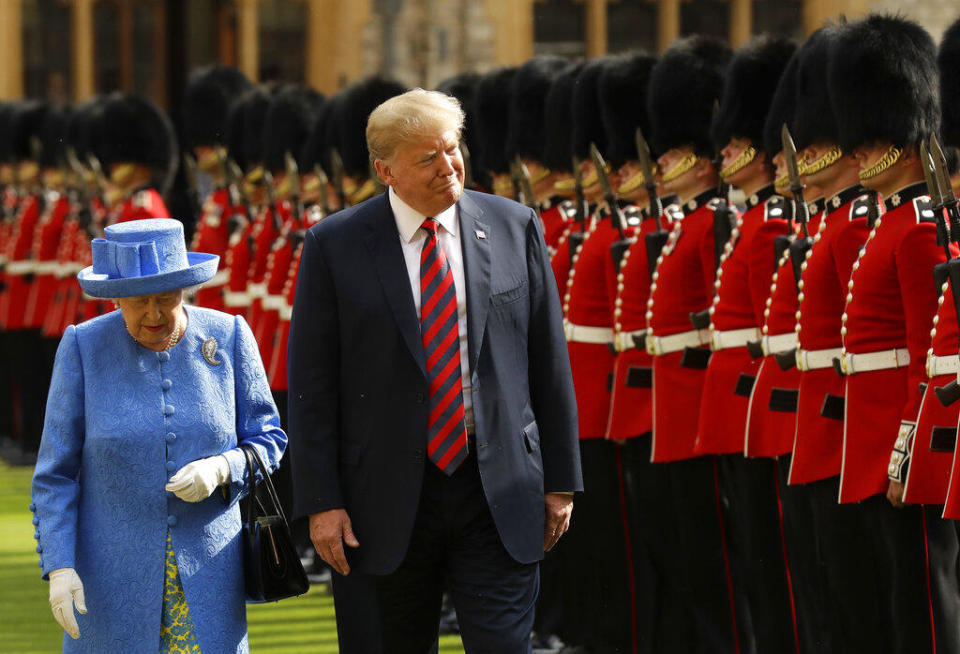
[66, 589]
[196, 480]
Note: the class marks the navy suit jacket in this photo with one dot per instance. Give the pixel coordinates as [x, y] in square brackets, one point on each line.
[358, 390]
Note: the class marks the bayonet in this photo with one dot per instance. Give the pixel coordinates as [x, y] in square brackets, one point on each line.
[608, 194]
[336, 163]
[802, 214]
[293, 175]
[649, 182]
[948, 199]
[526, 186]
[324, 198]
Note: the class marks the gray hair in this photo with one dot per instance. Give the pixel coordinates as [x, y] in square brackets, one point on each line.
[409, 117]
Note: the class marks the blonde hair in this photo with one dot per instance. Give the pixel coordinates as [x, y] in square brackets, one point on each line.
[410, 117]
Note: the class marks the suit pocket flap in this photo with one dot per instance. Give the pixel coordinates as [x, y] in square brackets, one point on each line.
[531, 436]
[510, 295]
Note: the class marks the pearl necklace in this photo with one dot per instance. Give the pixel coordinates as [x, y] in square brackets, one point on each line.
[174, 337]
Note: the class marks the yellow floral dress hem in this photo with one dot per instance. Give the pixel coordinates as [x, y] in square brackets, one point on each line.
[177, 635]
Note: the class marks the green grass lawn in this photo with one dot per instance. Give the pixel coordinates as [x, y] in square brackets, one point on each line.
[303, 625]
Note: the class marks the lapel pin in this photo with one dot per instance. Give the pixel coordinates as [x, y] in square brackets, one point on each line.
[209, 350]
[481, 233]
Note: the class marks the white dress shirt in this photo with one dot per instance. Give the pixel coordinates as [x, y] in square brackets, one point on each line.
[412, 238]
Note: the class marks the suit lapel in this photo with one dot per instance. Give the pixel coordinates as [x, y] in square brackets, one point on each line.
[475, 238]
[383, 241]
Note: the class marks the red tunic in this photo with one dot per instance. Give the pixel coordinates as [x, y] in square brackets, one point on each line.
[556, 219]
[934, 440]
[683, 284]
[892, 304]
[67, 293]
[236, 300]
[818, 440]
[731, 372]
[587, 303]
[266, 229]
[631, 405]
[46, 243]
[771, 417]
[146, 203]
[213, 237]
[13, 299]
[275, 278]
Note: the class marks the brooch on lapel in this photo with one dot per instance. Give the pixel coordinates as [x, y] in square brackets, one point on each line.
[209, 350]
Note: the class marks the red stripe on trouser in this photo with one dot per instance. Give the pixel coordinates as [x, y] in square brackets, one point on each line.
[786, 566]
[726, 556]
[627, 543]
[926, 556]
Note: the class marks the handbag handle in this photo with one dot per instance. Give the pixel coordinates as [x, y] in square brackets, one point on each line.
[253, 462]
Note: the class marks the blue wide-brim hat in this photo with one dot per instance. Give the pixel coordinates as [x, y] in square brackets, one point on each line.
[143, 257]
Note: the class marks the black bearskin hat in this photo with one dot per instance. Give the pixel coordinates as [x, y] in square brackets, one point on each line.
[948, 61]
[587, 118]
[782, 108]
[316, 148]
[748, 89]
[528, 99]
[287, 124]
[623, 103]
[883, 82]
[25, 127]
[558, 122]
[132, 129]
[359, 101]
[493, 118]
[53, 137]
[813, 118]
[684, 85]
[245, 124]
[463, 87]
[79, 128]
[208, 96]
[6, 130]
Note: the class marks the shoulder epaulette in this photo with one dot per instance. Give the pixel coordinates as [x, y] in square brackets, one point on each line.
[925, 213]
[673, 212]
[633, 215]
[775, 208]
[860, 207]
[568, 210]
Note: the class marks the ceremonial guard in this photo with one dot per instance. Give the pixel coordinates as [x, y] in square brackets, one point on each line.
[558, 127]
[24, 343]
[208, 96]
[136, 146]
[684, 85]
[890, 306]
[607, 608]
[661, 615]
[244, 142]
[528, 102]
[493, 113]
[831, 569]
[735, 319]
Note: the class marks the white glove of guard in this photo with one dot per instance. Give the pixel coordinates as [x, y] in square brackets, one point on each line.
[66, 590]
[197, 480]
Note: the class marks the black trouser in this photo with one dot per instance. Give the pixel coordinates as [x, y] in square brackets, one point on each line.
[598, 581]
[920, 554]
[758, 559]
[31, 362]
[455, 546]
[806, 568]
[700, 558]
[6, 389]
[663, 618]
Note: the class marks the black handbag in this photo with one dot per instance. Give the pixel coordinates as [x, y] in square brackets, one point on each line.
[271, 566]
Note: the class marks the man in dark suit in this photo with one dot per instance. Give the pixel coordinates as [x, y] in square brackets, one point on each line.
[432, 414]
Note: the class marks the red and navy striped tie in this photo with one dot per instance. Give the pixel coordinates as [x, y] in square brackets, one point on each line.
[446, 431]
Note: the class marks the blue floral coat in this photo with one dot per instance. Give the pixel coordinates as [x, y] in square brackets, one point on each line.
[120, 421]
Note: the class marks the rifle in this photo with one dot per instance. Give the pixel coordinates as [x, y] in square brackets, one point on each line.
[723, 216]
[324, 198]
[526, 186]
[336, 163]
[618, 249]
[190, 172]
[238, 193]
[655, 240]
[941, 193]
[293, 175]
[583, 211]
[800, 246]
[518, 195]
[270, 189]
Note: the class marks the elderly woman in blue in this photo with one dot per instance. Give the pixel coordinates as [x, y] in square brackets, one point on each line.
[139, 472]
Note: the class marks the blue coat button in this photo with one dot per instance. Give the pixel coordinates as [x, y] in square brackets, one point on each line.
[39, 550]
[171, 437]
[171, 466]
[166, 384]
[163, 356]
[169, 410]
[36, 520]
[40, 563]
[171, 521]
[33, 507]
[36, 535]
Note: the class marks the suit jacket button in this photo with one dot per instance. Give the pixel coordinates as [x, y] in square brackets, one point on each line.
[171, 521]
[421, 398]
